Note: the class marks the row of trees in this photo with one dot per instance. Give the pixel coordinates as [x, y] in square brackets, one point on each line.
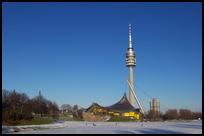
[184, 114]
[18, 106]
[75, 110]
[68, 108]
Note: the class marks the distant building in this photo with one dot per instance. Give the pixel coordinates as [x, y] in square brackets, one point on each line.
[155, 108]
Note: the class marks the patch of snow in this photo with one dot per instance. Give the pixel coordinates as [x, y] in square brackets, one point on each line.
[84, 127]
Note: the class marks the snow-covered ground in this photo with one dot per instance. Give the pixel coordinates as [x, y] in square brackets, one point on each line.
[79, 127]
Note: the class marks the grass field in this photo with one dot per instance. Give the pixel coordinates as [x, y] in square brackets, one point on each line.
[34, 121]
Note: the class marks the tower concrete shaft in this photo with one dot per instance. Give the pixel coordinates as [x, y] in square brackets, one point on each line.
[131, 95]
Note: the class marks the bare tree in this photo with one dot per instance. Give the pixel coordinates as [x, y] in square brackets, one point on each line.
[40, 104]
[52, 109]
[66, 108]
[152, 115]
[23, 100]
[196, 115]
[171, 114]
[185, 114]
[75, 108]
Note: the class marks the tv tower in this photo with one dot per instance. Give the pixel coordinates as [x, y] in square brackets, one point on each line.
[130, 62]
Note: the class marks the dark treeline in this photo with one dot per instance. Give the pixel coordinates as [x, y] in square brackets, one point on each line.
[18, 106]
[174, 114]
[184, 114]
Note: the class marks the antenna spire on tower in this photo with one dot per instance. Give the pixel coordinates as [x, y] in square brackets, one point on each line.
[130, 36]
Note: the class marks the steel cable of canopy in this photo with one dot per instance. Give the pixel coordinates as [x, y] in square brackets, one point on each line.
[146, 94]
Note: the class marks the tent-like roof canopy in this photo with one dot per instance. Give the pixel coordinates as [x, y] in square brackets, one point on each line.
[123, 105]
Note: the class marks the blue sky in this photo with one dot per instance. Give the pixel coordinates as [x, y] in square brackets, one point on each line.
[75, 52]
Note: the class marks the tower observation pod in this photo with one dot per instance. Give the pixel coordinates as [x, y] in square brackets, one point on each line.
[130, 62]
